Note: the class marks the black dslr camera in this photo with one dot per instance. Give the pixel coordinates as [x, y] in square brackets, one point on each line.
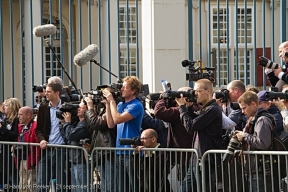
[265, 62]
[136, 141]
[232, 146]
[223, 95]
[196, 73]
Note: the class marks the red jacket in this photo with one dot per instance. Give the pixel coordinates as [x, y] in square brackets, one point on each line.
[29, 136]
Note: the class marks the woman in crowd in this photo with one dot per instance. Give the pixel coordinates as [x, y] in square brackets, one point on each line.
[9, 132]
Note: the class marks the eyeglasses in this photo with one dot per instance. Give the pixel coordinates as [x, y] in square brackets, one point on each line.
[144, 138]
[200, 90]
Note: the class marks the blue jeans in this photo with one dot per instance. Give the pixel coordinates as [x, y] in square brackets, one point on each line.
[125, 172]
[79, 177]
[52, 165]
[189, 183]
[107, 176]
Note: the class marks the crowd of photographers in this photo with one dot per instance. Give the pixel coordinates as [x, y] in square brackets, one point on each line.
[233, 118]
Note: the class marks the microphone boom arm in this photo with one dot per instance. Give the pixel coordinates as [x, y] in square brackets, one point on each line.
[73, 83]
[94, 61]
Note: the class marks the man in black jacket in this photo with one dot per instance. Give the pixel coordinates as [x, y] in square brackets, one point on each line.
[102, 137]
[271, 108]
[47, 131]
[73, 134]
[207, 128]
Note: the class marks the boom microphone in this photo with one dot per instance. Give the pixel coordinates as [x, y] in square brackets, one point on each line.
[44, 30]
[85, 55]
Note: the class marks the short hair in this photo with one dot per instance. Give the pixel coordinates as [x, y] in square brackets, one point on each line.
[55, 80]
[55, 87]
[252, 88]
[134, 83]
[151, 133]
[239, 84]
[15, 105]
[27, 109]
[248, 97]
[208, 85]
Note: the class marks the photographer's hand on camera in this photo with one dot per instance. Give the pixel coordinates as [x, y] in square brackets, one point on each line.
[239, 135]
[108, 95]
[279, 104]
[67, 117]
[181, 101]
[89, 102]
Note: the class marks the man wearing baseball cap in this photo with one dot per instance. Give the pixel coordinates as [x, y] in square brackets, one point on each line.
[271, 108]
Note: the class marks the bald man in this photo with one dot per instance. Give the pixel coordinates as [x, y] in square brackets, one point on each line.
[279, 78]
[27, 156]
[156, 168]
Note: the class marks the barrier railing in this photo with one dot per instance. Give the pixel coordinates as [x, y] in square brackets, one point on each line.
[25, 167]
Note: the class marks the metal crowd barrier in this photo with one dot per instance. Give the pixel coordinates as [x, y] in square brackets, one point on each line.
[157, 169]
[24, 167]
[150, 170]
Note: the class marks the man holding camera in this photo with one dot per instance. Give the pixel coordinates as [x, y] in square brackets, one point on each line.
[102, 137]
[156, 168]
[177, 137]
[127, 115]
[256, 136]
[236, 88]
[283, 105]
[271, 108]
[73, 134]
[47, 131]
[207, 128]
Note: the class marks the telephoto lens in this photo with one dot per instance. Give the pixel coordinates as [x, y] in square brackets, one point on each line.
[232, 146]
[264, 62]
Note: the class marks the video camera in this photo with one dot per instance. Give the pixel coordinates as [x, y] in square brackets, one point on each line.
[38, 88]
[196, 73]
[68, 107]
[223, 95]
[136, 141]
[97, 94]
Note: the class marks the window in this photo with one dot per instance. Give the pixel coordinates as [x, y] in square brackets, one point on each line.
[241, 33]
[52, 68]
[242, 26]
[123, 22]
[128, 36]
[241, 65]
[222, 37]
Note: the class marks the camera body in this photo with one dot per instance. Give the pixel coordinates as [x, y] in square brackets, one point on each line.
[84, 141]
[67, 107]
[235, 105]
[136, 141]
[189, 94]
[223, 95]
[232, 146]
[38, 88]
